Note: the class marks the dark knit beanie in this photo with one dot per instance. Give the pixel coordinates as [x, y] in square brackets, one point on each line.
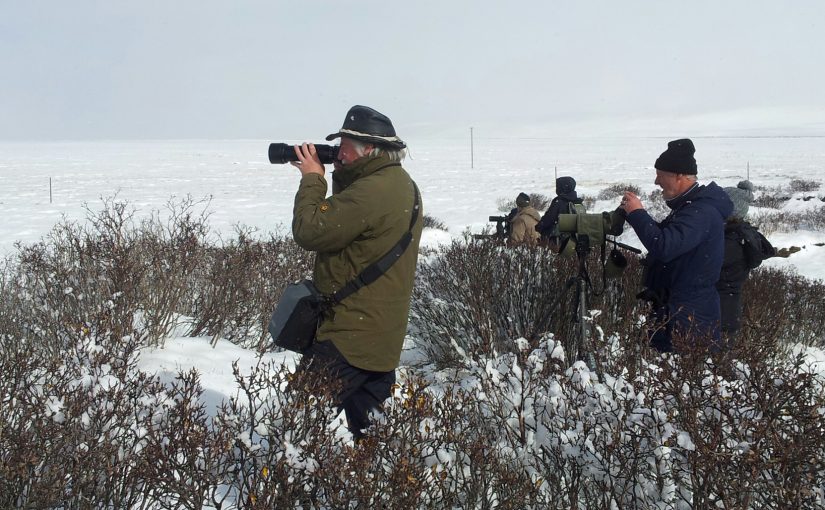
[678, 158]
[523, 200]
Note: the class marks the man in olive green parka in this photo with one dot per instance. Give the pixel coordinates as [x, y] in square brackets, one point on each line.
[370, 209]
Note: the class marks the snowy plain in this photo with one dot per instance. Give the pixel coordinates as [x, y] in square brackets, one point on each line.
[45, 181]
[459, 187]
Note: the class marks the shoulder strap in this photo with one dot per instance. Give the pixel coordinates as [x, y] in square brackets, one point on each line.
[375, 270]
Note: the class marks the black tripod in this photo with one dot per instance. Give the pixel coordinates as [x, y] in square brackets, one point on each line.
[579, 347]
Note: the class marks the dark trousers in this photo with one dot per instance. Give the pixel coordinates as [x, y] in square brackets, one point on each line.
[686, 329]
[361, 391]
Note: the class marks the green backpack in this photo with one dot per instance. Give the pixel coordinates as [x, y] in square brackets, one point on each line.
[568, 245]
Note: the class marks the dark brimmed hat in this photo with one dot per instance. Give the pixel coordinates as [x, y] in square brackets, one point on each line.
[367, 125]
[678, 158]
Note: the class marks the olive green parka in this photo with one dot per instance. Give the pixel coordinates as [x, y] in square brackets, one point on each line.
[369, 210]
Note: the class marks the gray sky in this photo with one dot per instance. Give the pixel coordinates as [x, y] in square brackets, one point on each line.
[268, 69]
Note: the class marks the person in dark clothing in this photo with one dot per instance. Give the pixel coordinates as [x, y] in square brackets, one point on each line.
[745, 249]
[684, 251]
[564, 203]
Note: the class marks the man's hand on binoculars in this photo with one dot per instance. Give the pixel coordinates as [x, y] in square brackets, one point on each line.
[630, 202]
[308, 160]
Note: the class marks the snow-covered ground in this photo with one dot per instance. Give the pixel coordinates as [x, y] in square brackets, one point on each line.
[459, 187]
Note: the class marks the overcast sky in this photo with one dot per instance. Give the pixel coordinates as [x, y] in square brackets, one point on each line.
[269, 69]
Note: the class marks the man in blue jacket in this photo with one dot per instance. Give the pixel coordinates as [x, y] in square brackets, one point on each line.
[684, 251]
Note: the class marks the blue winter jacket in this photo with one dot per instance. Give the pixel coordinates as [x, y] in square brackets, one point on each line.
[684, 257]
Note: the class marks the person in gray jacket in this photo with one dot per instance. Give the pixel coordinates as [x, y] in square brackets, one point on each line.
[745, 249]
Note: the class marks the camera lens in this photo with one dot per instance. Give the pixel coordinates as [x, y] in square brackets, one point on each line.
[280, 153]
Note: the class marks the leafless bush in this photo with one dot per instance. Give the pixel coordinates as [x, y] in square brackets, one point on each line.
[803, 185]
[433, 222]
[538, 200]
[467, 300]
[588, 201]
[782, 307]
[81, 281]
[240, 283]
[734, 448]
[617, 190]
[522, 429]
[775, 197]
[812, 219]
[114, 278]
[172, 245]
[477, 297]
[771, 197]
[73, 428]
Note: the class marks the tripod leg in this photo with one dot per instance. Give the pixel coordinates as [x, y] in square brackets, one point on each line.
[586, 351]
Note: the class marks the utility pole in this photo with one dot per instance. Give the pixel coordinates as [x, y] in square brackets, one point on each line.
[472, 155]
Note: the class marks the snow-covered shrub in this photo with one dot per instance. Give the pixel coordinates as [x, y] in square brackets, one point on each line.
[81, 281]
[239, 283]
[776, 197]
[683, 432]
[283, 439]
[770, 197]
[110, 278]
[475, 297]
[521, 429]
[74, 428]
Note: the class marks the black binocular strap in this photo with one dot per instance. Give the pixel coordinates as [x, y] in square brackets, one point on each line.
[375, 270]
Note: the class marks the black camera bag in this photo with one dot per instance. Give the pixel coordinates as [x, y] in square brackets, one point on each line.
[301, 309]
[296, 318]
